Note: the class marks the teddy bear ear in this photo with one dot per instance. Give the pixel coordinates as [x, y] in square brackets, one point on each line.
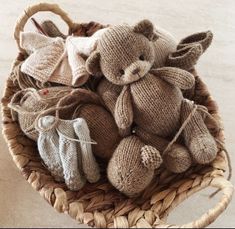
[93, 64]
[146, 28]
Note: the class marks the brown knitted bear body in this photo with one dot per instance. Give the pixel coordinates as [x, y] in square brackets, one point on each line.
[150, 98]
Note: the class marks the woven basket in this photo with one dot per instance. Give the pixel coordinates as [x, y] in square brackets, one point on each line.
[100, 205]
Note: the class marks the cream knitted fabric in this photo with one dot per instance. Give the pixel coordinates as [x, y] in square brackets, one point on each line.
[53, 60]
[46, 55]
[77, 63]
[86, 45]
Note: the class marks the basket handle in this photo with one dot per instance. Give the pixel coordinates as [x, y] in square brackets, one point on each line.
[212, 214]
[31, 10]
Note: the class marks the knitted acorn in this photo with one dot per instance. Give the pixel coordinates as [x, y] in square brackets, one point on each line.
[150, 98]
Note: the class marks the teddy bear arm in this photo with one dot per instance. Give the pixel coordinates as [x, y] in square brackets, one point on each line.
[123, 112]
[175, 76]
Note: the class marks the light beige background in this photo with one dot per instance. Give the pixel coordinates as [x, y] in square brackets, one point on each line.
[20, 205]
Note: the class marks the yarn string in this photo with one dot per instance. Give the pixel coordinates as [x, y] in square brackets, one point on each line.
[221, 145]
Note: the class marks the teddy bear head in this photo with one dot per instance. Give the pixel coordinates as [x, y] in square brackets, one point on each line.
[124, 54]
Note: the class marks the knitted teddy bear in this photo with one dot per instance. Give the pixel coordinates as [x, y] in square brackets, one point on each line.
[150, 98]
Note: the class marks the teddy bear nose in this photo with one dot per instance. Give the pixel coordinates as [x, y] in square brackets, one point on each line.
[135, 71]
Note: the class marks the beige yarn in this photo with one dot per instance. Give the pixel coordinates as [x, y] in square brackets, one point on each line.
[27, 104]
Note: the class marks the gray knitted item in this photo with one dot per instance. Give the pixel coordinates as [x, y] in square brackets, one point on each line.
[48, 147]
[65, 157]
[70, 156]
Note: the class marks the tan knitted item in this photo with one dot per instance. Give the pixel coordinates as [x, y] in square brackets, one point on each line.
[177, 159]
[132, 165]
[197, 137]
[103, 129]
[27, 104]
[189, 50]
[163, 46]
[150, 99]
[51, 29]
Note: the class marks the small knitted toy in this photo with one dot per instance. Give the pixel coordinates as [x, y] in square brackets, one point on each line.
[151, 98]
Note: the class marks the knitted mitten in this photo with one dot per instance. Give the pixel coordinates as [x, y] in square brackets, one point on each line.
[189, 50]
[89, 165]
[185, 58]
[132, 165]
[177, 159]
[70, 155]
[51, 29]
[202, 38]
[48, 146]
[103, 129]
[196, 135]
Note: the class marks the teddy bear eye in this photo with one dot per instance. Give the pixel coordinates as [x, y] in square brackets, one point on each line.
[141, 57]
[121, 71]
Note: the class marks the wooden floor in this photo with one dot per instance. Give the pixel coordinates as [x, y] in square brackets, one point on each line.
[20, 205]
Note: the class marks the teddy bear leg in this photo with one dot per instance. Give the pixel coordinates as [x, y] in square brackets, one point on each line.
[197, 137]
[177, 159]
[131, 168]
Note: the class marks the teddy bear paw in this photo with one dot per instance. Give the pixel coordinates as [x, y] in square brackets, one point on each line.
[177, 159]
[151, 157]
[203, 148]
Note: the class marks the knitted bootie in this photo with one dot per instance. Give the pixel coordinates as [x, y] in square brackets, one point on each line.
[185, 58]
[177, 159]
[202, 38]
[89, 165]
[196, 135]
[70, 155]
[48, 146]
[103, 129]
[132, 165]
